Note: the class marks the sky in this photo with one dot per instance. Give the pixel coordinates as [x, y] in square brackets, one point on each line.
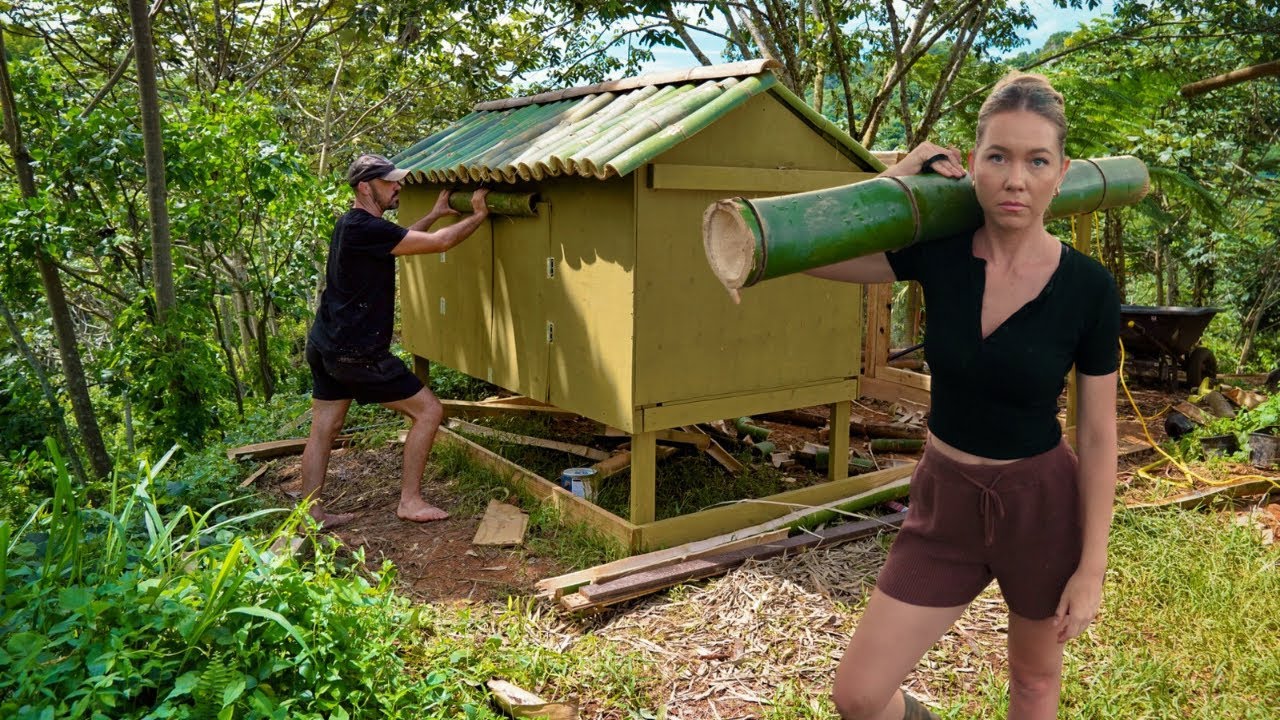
[1049, 20]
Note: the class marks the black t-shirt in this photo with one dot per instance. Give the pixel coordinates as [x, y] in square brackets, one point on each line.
[998, 397]
[357, 307]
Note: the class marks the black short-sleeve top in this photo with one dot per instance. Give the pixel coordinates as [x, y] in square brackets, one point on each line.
[357, 308]
[997, 397]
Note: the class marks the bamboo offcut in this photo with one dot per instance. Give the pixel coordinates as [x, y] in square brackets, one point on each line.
[747, 241]
[517, 204]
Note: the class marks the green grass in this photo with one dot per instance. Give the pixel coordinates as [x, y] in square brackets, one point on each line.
[1189, 629]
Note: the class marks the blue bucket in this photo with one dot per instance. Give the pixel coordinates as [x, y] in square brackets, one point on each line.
[573, 479]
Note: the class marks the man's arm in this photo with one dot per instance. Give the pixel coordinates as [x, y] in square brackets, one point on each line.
[419, 241]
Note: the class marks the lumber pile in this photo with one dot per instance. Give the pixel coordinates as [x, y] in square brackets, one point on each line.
[595, 588]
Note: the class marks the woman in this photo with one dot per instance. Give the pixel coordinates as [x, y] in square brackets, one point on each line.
[998, 493]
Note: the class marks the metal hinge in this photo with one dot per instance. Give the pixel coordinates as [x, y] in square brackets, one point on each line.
[551, 268]
[441, 304]
[551, 332]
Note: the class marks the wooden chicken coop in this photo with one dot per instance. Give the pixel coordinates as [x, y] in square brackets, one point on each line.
[601, 301]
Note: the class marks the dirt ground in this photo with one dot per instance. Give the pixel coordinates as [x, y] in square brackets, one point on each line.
[436, 561]
[706, 672]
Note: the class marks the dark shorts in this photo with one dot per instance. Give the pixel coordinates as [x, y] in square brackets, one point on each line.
[1018, 522]
[379, 379]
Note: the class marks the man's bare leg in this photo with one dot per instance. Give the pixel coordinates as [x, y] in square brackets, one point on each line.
[326, 422]
[426, 412]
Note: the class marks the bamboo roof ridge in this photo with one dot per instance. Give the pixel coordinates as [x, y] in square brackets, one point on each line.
[604, 130]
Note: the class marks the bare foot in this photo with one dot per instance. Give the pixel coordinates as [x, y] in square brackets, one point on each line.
[419, 511]
[329, 521]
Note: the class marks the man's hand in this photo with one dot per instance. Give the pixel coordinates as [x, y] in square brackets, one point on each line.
[1079, 605]
[949, 165]
[441, 208]
[478, 205]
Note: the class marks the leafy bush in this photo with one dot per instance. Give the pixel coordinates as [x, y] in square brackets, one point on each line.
[126, 612]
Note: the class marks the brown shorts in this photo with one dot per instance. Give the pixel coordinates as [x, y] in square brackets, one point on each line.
[1018, 522]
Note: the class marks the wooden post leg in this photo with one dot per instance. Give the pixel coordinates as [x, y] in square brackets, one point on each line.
[1081, 237]
[644, 467]
[422, 368]
[838, 441]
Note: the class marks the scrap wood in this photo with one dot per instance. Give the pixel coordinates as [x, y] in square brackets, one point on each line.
[1244, 488]
[1193, 413]
[873, 429]
[277, 448]
[465, 408]
[253, 477]
[805, 516]
[520, 703]
[1218, 405]
[619, 461]
[803, 418]
[502, 524]
[513, 400]
[481, 430]
[650, 581]
[1243, 398]
[717, 453]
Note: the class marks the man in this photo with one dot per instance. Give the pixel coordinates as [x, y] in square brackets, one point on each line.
[349, 346]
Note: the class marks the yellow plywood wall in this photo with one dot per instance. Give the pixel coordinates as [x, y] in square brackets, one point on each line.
[593, 238]
[692, 342]
[546, 300]
[446, 300]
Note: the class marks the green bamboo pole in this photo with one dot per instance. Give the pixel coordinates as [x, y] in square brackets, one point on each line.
[747, 241]
[513, 204]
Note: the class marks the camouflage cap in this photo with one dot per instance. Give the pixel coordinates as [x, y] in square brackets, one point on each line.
[373, 167]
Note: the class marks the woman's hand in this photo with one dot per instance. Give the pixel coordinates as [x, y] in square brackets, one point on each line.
[950, 165]
[1079, 605]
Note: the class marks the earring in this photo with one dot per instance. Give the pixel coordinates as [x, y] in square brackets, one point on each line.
[1057, 191]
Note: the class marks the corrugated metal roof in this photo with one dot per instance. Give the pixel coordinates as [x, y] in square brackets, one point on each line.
[600, 131]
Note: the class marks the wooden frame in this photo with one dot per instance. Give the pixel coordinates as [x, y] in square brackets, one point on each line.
[649, 535]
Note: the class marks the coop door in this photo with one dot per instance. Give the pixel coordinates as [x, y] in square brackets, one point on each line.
[522, 269]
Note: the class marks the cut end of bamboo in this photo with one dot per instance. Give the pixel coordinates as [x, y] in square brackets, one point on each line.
[730, 244]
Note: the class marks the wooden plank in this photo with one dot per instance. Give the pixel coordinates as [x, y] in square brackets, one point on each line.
[650, 581]
[698, 440]
[803, 418]
[891, 391]
[513, 400]
[669, 415]
[277, 448]
[839, 442]
[502, 524]
[717, 453]
[559, 586]
[620, 461]
[570, 507]
[670, 176]
[253, 477]
[579, 450]
[725, 518]
[520, 703]
[875, 342]
[644, 467]
[920, 381]
[698, 548]
[1263, 486]
[466, 408]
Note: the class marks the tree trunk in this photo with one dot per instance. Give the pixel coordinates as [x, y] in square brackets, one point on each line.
[1171, 273]
[153, 149]
[1159, 272]
[59, 415]
[68, 350]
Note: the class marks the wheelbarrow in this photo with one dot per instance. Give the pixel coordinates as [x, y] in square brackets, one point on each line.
[1163, 339]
